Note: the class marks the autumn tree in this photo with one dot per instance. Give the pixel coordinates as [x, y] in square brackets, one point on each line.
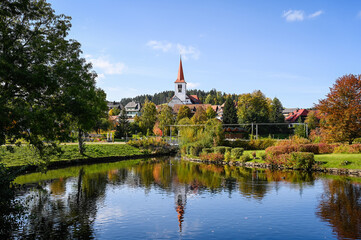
[210, 113]
[114, 111]
[229, 112]
[184, 112]
[312, 120]
[340, 112]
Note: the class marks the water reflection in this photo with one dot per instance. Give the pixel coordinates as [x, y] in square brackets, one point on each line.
[67, 207]
[341, 207]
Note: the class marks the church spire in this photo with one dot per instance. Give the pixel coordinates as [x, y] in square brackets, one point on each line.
[180, 78]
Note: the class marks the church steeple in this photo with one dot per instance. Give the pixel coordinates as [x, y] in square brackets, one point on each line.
[180, 78]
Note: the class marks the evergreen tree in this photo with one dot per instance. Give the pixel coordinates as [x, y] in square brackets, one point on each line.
[123, 127]
[229, 112]
[276, 115]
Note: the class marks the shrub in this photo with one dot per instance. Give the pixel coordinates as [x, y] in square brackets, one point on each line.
[295, 160]
[227, 156]
[213, 157]
[237, 152]
[294, 140]
[354, 148]
[245, 158]
[207, 150]
[188, 147]
[228, 149]
[195, 150]
[220, 149]
[325, 148]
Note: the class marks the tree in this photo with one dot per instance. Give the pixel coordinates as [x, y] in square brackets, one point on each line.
[276, 115]
[123, 125]
[200, 116]
[312, 120]
[253, 108]
[148, 117]
[209, 99]
[210, 113]
[300, 129]
[114, 111]
[229, 112]
[165, 118]
[340, 112]
[184, 112]
[45, 86]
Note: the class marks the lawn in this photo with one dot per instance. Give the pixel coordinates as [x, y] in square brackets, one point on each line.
[25, 155]
[337, 160]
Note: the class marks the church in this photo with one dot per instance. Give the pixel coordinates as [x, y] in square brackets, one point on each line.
[180, 92]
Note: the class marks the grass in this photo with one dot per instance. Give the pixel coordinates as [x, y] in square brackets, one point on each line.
[336, 160]
[25, 155]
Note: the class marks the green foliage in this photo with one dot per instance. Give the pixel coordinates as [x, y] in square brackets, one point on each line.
[46, 88]
[312, 120]
[210, 113]
[295, 160]
[220, 149]
[148, 117]
[200, 116]
[184, 112]
[276, 115]
[253, 108]
[195, 150]
[254, 144]
[245, 158]
[300, 129]
[237, 152]
[207, 150]
[123, 127]
[151, 145]
[229, 112]
[227, 156]
[165, 117]
[114, 111]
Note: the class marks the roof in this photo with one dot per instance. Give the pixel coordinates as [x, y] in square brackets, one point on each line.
[180, 78]
[289, 110]
[293, 117]
[133, 104]
[194, 99]
[193, 107]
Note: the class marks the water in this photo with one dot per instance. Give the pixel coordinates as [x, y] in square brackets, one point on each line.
[171, 199]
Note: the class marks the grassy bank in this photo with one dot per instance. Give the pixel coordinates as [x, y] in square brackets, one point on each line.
[335, 160]
[25, 155]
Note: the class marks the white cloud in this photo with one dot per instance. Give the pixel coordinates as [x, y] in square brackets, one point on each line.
[315, 14]
[160, 45]
[294, 15]
[192, 85]
[104, 65]
[186, 51]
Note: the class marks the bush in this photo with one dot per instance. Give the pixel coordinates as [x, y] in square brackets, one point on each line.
[219, 149]
[237, 152]
[227, 156]
[213, 157]
[314, 148]
[227, 149]
[354, 148]
[256, 144]
[195, 150]
[245, 158]
[295, 160]
[207, 150]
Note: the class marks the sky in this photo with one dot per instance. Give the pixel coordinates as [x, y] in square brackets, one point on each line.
[292, 50]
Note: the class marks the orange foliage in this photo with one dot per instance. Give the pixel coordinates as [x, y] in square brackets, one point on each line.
[341, 111]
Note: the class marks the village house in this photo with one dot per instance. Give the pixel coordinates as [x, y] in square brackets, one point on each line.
[133, 109]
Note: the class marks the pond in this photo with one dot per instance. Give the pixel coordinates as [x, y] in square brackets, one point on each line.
[165, 198]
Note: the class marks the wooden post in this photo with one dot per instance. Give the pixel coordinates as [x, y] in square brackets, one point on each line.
[256, 131]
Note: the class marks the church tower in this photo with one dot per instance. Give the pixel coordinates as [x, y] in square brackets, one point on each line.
[181, 86]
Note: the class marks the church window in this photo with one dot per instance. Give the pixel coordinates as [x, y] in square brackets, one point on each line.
[179, 88]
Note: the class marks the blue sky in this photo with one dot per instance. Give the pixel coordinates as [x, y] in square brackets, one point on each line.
[293, 50]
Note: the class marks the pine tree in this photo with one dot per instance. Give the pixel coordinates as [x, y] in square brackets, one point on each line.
[229, 112]
[123, 127]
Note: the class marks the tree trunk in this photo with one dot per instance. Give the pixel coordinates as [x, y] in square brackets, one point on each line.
[81, 141]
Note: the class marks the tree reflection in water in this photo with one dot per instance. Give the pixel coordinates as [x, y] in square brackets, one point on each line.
[341, 207]
[68, 209]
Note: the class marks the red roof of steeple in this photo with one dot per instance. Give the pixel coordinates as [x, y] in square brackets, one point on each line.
[180, 78]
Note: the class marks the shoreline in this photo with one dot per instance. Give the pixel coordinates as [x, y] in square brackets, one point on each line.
[333, 171]
[24, 169]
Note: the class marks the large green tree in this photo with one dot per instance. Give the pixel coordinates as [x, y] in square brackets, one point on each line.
[276, 115]
[165, 118]
[229, 112]
[253, 108]
[184, 112]
[148, 117]
[123, 126]
[45, 86]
